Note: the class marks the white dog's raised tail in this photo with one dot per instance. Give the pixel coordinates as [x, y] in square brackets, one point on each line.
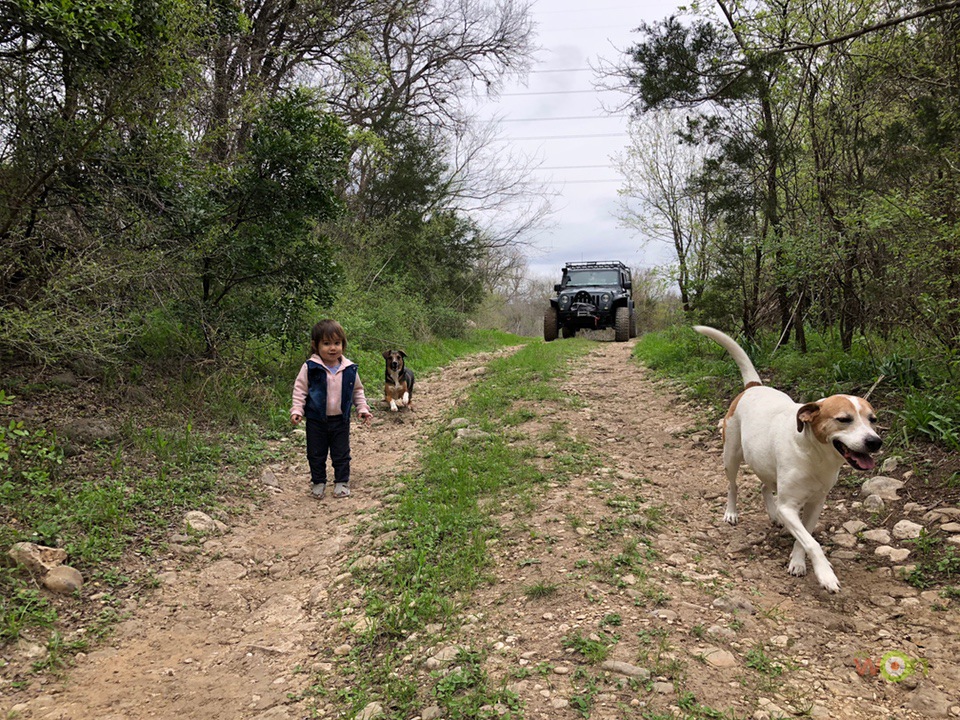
[747, 370]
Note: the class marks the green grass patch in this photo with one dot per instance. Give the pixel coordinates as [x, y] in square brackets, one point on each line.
[465, 692]
[594, 648]
[681, 354]
[541, 590]
[934, 562]
[442, 507]
[758, 659]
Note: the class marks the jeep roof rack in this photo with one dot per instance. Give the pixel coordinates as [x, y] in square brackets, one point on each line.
[594, 264]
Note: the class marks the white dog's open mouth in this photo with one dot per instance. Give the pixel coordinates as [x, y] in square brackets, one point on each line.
[857, 460]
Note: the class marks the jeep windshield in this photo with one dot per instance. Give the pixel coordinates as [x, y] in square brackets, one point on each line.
[581, 278]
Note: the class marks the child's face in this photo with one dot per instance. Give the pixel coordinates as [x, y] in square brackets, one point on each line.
[330, 350]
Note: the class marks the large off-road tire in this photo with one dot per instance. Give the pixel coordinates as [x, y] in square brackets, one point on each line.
[568, 331]
[633, 324]
[550, 327]
[621, 324]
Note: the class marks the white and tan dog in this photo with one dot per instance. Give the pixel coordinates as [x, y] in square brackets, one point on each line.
[796, 450]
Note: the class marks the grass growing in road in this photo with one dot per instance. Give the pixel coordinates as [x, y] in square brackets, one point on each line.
[541, 590]
[444, 515]
[595, 648]
[442, 507]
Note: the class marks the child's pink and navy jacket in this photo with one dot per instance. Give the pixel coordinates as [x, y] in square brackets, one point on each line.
[318, 392]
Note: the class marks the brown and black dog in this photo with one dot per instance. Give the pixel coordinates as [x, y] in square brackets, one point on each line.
[398, 380]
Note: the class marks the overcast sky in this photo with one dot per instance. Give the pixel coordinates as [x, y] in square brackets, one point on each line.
[559, 119]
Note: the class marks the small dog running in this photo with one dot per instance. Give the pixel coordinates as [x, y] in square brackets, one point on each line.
[796, 450]
[398, 381]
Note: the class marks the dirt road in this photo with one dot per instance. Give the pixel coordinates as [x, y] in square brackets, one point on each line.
[714, 624]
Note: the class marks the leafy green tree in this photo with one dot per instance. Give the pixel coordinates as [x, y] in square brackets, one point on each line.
[88, 99]
[167, 160]
[834, 163]
[706, 62]
[250, 231]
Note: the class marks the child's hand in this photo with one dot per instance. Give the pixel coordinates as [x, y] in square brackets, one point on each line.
[295, 419]
[366, 418]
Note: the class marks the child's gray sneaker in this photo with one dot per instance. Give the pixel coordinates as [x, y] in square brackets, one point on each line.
[318, 489]
[340, 490]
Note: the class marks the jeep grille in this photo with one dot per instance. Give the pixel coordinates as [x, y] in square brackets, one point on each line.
[584, 297]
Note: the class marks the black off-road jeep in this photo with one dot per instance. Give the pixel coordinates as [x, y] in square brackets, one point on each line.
[594, 295]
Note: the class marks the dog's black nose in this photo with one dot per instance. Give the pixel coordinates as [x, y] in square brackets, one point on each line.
[874, 443]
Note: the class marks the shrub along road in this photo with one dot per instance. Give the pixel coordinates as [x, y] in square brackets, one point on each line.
[541, 538]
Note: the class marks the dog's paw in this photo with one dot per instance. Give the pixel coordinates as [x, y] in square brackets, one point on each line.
[731, 517]
[830, 583]
[393, 406]
[797, 568]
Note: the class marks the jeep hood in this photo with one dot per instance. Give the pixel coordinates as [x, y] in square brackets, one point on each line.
[592, 289]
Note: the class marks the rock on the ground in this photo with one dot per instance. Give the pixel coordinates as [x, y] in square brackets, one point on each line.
[930, 702]
[907, 529]
[466, 434]
[719, 658]
[37, 558]
[879, 535]
[371, 711]
[442, 657]
[623, 668]
[88, 430]
[366, 562]
[885, 487]
[269, 478]
[202, 523]
[733, 604]
[63, 580]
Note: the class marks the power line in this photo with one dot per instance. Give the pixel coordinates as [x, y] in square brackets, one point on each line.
[563, 70]
[578, 182]
[571, 117]
[572, 167]
[565, 137]
[547, 92]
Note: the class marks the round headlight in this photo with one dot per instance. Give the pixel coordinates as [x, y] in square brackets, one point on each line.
[564, 300]
[605, 298]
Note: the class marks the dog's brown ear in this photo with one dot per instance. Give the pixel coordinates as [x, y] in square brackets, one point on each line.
[402, 354]
[386, 354]
[807, 414]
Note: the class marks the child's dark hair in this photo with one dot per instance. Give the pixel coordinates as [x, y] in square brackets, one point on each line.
[327, 330]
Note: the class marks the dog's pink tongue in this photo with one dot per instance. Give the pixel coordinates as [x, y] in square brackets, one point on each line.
[861, 461]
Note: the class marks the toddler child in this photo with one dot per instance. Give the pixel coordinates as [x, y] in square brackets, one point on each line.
[323, 393]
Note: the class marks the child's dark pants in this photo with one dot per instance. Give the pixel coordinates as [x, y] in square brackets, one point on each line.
[333, 435]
